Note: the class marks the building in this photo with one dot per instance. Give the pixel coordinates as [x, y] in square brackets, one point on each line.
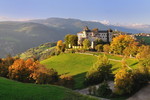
[92, 35]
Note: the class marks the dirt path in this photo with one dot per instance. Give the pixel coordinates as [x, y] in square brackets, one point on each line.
[143, 94]
[97, 56]
[86, 92]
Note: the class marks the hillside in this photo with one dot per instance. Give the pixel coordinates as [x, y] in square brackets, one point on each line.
[145, 39]
[41, 52]
[12, 90]
[78, 64]
[16, 37]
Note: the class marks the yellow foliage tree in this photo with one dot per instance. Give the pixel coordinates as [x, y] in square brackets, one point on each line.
[120, 42]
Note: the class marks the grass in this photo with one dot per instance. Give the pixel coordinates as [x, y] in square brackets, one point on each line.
[12, 90]
[72, 64]
[78, 64]
[110, 56]
[146, 39]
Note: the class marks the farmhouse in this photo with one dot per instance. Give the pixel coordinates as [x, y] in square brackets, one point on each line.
[92, 35]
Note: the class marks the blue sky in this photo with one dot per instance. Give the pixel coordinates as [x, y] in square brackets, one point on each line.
[113, 11]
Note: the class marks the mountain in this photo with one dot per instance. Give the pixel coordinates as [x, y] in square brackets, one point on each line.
[16, 37]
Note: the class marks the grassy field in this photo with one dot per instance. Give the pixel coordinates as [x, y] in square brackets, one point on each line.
[78, 64]
[146, 39]
[70, 63]
[12, 90]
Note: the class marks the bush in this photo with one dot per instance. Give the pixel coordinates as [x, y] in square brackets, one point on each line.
[106, 48]
[129, 81]
[99, 48]
[19, 71]
[32, 72]
[123, 82]
[4, 65]
[100, 71]
[104, 90]
[45, 76]
[66, 81]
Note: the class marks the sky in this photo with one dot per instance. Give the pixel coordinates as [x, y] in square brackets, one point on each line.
[106, 11]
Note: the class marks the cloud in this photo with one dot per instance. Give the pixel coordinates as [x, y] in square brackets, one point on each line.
[4, 18]
[106, 22]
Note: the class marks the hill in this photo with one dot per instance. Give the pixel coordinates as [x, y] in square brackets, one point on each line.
[78, 64]
[16, 37]
[145, 39]
[12, 90]
[41, 52]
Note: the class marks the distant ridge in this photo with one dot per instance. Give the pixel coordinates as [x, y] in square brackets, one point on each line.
[16, 37]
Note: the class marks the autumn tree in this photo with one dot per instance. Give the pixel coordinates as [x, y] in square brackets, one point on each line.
[4, 65]
[143, 52]
[86, 44]
[19, 71]
[99, 47]
[60, 46]
[66, 81]
[99, 72]
[120, 42]
[131, 50]
[106, 48]
[32, 71]
[44, 76]
[129, 81]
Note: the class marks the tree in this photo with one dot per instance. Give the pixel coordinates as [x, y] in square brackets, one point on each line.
[71, 40]
[60, 46]
[19, 71]
[106, 48]
[98, 41]
[123, 81]
[131, 50]
[99, 48]
[67, 81]
[143, 52]
[4, 65]
[120, 42]
[86, 44]
[129, 81]
[99, 72]
[45, 76]
[104, 90]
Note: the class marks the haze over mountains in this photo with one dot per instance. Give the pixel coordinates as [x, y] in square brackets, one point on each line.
[16, 37]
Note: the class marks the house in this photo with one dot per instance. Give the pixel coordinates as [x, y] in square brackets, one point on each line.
[92, 35]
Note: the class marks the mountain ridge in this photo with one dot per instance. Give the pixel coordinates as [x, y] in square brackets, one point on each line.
[16, 36]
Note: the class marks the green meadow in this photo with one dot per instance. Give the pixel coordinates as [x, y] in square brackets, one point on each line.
[13, 90]
[78, 64]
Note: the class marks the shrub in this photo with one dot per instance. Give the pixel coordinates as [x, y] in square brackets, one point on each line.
[100, 71]
[106, 48]
[123, 82]
[44, 76]
[104, 90]
[67, 81]
[32, 71]
[4, 65]
[99, 48]
[129, 81]
[19, 71]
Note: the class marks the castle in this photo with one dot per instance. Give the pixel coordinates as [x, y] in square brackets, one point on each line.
[92, 35]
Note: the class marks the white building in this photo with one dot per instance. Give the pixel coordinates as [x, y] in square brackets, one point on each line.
[92, 35]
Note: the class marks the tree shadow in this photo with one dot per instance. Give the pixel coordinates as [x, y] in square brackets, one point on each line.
[113, 69]
[134, 64]
[79, 80]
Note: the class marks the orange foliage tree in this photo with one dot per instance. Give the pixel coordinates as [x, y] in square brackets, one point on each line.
[4, 65]
[32, 71]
